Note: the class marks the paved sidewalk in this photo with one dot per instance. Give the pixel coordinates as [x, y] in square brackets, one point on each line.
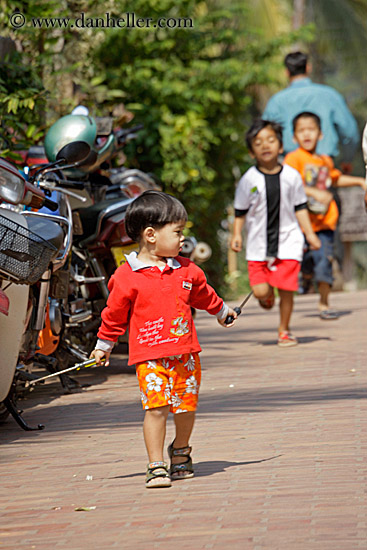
[279, 445]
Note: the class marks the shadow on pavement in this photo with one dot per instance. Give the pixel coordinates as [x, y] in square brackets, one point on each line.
[264, 401]
[245, 337]
[301, 340]
[138, 474]
[208, 467]
[128, 413]
[44, 393]
[340, 313]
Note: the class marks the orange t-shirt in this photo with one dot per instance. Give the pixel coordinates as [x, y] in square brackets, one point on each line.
[308, 165]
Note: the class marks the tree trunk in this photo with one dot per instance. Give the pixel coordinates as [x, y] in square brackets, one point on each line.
[299, 7]
[7, 45]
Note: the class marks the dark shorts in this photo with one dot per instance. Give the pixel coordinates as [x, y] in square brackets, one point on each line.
[319, 262]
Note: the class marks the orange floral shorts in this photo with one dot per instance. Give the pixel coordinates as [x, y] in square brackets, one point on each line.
[172, 381]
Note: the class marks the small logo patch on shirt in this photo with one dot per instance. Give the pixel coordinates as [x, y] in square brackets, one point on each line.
[180, 326]
[186, 285]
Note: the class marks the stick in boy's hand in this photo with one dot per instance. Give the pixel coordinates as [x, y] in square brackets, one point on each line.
[228, 321]
[98, 355]
[230, 318]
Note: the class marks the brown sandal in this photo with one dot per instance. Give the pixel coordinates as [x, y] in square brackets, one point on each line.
[183, 470]
[157, 475]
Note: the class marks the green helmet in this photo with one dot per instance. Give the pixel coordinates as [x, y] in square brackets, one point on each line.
[70, 129]
[69, 135]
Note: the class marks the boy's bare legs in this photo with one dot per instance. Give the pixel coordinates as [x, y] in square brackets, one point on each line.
[265, 294]
[285, 309]
[286, 339]
[184, 423]
[154, 429]
[324, 291]
[262, 291]
[325, 313]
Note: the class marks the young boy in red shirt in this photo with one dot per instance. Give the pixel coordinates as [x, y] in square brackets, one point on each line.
[152, 295]
[319, 174]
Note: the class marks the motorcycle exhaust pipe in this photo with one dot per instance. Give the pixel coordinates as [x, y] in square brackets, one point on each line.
[98, 273]
[43, 298]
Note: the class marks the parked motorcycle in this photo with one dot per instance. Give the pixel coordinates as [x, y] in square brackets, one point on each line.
[100, 241]
[64, 308]
[99, 237]
[32, 247]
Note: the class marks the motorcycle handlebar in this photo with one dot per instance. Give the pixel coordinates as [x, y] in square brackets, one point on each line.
[135, 128]
[51, 205]
[71, 184]
[121, 135]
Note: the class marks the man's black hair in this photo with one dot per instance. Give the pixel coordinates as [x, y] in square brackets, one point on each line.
[259, 125]
[306, 114]
[152, 209]
[296, 63]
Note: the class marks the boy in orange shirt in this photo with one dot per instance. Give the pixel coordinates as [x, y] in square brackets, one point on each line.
[319, 174]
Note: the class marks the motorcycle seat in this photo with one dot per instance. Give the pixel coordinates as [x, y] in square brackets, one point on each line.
[93, 217]
[48, 230]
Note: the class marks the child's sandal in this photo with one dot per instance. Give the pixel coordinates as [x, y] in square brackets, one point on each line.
[157, 475]
[183, 470]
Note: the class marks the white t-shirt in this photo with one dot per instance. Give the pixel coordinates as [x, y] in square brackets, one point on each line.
[270, 202]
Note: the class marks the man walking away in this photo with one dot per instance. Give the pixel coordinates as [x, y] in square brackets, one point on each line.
[338, 124]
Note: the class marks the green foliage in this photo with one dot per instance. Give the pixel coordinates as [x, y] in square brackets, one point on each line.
[22, 98]
[193, 89]
[193, 86]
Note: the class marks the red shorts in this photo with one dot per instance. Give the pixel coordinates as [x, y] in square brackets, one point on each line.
[281, 274]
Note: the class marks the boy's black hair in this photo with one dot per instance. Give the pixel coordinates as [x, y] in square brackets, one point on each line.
[306, 114]
[296, 63]
[152, 209]
[259, 125]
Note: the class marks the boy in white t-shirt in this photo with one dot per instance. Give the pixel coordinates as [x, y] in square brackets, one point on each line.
[271, 199]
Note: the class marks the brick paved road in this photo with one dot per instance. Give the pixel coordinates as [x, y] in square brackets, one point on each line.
[279, 445]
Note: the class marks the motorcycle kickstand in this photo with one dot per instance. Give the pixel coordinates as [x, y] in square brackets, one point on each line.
[10, 405]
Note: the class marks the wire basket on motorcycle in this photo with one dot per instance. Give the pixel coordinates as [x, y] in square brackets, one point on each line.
[24, 255]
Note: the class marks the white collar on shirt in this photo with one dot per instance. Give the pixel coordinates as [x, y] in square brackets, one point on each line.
[137, 264]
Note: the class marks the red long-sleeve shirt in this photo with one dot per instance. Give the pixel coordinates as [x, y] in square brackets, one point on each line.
[156, 307]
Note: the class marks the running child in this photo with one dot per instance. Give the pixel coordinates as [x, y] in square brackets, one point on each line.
[270, 198]
[152, 295]
[319, 176]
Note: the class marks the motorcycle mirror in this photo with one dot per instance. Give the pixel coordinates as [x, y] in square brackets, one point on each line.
[90, 160]
[74, 152]
[12, 184]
